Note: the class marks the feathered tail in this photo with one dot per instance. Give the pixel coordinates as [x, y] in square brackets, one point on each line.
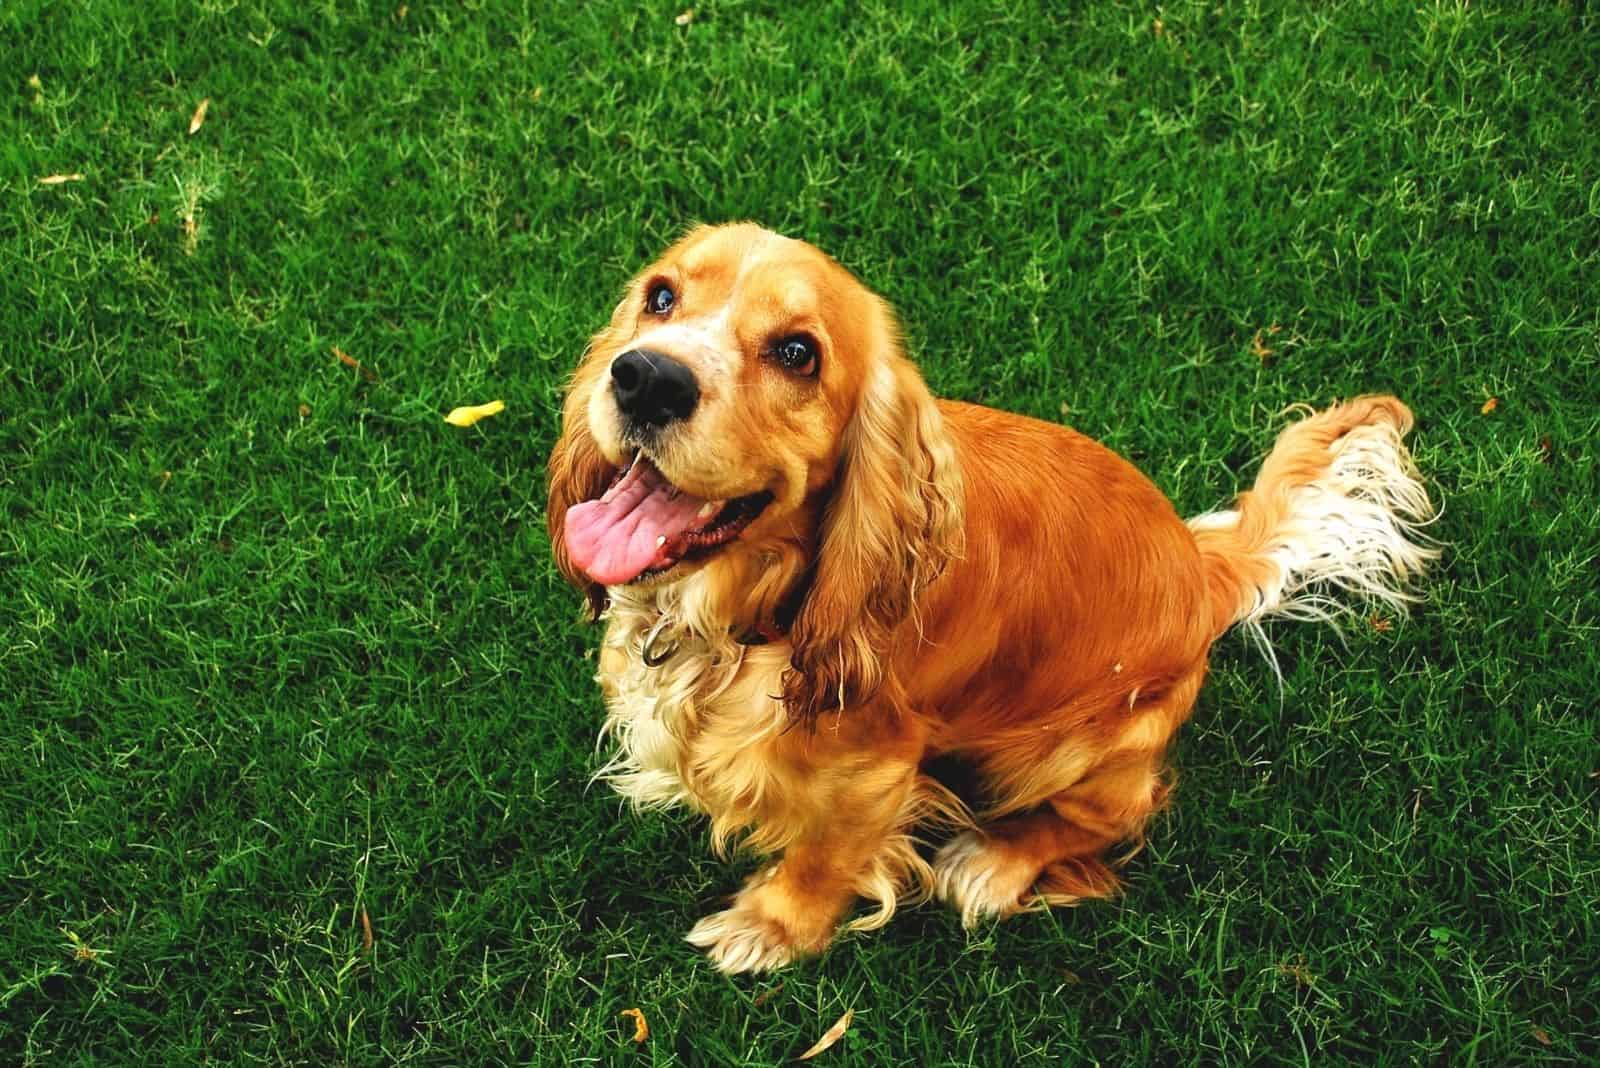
[1338, 506]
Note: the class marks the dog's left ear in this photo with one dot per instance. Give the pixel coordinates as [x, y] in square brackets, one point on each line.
[891, 524]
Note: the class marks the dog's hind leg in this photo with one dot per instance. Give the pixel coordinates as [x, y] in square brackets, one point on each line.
[1054, 852]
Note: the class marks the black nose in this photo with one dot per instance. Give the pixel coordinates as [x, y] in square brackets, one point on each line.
[651, 388]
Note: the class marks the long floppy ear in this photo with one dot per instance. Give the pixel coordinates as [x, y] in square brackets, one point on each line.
[892, 523]
[578, 472]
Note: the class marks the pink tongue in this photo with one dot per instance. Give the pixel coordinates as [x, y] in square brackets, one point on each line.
[627, 532]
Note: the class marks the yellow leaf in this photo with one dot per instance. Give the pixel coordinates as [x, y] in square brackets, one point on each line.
[685, 17]
[466, 416]
[199, 116]
[641, 1030]
[350, 361]
[832, 1035]
[1489, 405]
[57, 179]
[1259, 349]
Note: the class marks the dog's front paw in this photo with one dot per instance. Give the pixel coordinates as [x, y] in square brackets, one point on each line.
[767, 927]
[741, 940]
[979, 876]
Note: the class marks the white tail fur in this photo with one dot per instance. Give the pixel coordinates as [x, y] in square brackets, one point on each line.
[1339, 507]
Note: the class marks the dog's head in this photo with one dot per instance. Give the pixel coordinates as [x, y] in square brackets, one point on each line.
[747, 415]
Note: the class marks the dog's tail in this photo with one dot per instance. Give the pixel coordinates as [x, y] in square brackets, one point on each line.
[1338, 506]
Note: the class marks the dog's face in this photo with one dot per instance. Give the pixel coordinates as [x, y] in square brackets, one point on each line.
[718, 396]
[748, 398]
[732, 364]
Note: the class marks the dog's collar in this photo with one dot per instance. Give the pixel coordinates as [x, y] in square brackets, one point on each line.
[657, 652]
[760, 634]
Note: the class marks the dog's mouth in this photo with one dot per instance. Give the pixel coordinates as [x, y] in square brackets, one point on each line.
[643, 525]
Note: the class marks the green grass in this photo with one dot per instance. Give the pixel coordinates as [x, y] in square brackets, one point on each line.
[278, 646]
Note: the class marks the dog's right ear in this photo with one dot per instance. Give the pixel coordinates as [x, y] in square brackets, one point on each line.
[578, 473]
[578, 470]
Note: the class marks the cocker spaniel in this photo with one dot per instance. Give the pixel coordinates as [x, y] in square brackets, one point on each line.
[816, 579]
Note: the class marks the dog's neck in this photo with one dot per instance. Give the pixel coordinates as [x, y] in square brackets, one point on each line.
[688, 612]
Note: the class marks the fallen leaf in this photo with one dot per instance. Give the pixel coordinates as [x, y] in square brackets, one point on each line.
[400, 13]
[685, 17]
[832, 1035]
[1259, 348]
[366, 929]
[1547, 449]
[1541, 1036]
[1297, 971]
[58, 179]
[1158, 27]
[199, 117]
[1489, 405]
[350, 361]
[467, 415]
[766, 996]
[305, 410]
[641, 1029]
[81, 950]
[155, 217]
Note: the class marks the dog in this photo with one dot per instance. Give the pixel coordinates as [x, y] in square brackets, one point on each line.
[817, 580]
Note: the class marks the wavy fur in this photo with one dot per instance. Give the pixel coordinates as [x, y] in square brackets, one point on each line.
[930, 580]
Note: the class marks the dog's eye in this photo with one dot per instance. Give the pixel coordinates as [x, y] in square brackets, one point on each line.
[797, 354]
[660, 299]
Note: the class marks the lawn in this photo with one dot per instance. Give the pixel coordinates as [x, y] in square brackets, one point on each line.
[298, 719]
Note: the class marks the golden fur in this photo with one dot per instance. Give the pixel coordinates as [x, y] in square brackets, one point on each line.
[939, 579]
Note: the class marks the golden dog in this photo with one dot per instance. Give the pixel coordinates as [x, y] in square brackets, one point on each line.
[816, 578]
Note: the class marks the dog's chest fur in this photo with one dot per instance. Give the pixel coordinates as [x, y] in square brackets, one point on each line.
[695, 726]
